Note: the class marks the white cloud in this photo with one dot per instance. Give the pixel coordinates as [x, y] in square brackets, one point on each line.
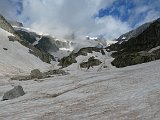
[112, 27]
[63, 17]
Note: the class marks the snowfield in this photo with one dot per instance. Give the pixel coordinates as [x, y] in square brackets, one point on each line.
[15, 58]
[131, 93]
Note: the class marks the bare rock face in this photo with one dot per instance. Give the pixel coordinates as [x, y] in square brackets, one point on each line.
[16, 92]
[136, 50]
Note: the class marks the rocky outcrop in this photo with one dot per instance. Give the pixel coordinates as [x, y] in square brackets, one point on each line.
[5, 25]
[130, 52]
[133, 33]
[66, 61]
[16, 92]
[36, 74]
[43, 42]
[44, 56]
[29, 36]
[56, 72]
[47, 44]
[90, 63]
[132, 59]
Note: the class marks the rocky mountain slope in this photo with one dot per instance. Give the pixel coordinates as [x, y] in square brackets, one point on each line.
[140, 49]
[41, 41]
[17, 55]
[133, 33]
[15, 58]
[44, 56]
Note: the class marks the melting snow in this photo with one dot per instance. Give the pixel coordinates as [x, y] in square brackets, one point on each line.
[131, 93]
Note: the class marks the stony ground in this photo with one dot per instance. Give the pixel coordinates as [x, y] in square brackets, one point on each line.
[131, 93]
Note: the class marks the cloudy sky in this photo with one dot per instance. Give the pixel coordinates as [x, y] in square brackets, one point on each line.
[62, 18]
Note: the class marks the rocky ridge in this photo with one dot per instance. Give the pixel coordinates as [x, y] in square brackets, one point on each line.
[44, 56]
[137, 49]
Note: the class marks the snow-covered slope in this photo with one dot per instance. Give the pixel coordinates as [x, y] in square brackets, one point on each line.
[131, 93]
[15, 58]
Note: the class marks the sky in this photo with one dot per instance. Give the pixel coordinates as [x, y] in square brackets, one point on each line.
[79, 18]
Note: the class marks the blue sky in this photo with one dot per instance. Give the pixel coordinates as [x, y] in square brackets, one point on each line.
[110, 18]
[123, 9]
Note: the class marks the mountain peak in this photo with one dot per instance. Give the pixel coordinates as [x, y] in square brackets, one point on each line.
[5, 25]
[158, 19]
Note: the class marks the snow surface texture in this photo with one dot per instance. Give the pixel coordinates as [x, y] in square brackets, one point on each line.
[15, 58]
[131, 93]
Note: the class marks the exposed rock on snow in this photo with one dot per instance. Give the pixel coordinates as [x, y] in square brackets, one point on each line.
[133, 59]
[130, 93]
[66, 61]
[56, 72]
[17, 91]
[5, 25]
[130, 52]
[90, 63]
[36, 74]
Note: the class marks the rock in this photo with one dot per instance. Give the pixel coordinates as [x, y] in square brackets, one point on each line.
[103, 53]
[36, 74]
[132, 59]
[5, 25]
[46, 44]
[135, 50]
[90, 63]
[21, 78]
[66, 61]
[5, 49]
[16, 92]
[56, 72]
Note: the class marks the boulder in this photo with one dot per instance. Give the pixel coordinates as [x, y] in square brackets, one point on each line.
[36, 74]
[90, 63]
[66, 61]
[16, 92]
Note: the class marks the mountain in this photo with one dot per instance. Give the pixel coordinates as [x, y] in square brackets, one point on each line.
[44, 42]
[100, 42]
[91, 89]
[143, 47]
[134, 33]
[15, 23]
[17, 55]
[5, 25]
[15, 58]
